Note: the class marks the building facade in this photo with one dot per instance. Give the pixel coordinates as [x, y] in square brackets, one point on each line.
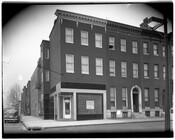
[93, 68]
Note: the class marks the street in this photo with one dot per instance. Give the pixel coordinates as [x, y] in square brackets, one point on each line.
[18, 128]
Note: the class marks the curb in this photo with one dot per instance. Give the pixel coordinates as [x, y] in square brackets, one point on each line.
[37, 128]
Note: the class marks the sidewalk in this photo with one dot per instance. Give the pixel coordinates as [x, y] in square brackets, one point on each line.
[35, 123]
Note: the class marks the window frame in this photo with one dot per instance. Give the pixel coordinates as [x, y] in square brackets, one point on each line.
[69, 63]
[134, 47]
[146, 70]
[84, 65]
[145, 49]
[123, 45]
[71, 36]
[135, 70]
[156, 98]
[123, 69]
[99, 66]
[112, 91]
[156, 71]
[112, 43]
[47, 76]
[112, 67]
[98, 40]
[84, 38]
[125, 98]
[146, 98]
[155, 50]
[46, 53]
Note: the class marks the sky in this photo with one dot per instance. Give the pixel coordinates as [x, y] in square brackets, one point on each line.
[23, 34]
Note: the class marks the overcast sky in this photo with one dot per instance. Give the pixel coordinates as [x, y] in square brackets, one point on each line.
[24, 33]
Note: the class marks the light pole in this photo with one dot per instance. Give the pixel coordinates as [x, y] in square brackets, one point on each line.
[161, 22]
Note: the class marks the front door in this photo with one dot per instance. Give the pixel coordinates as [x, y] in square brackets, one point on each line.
[135, 102]
[67, 108]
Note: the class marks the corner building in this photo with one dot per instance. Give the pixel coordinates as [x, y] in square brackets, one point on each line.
[96, 69]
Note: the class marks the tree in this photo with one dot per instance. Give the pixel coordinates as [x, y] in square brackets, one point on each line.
[14, 96]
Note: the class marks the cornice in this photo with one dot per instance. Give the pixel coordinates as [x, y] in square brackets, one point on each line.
[80, 18]
[123, 26]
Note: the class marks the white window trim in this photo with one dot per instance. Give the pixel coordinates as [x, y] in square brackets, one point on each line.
[69, 71]
[122, 69]
[101, 66]
[82, 43]
[114, 98]
[147, 53]
[122, 45]
[126, 98]
[112, 44]
[137, 70]
[97, 46]
[72, 35]
[134, 48]
[112, 74]
[83, 72]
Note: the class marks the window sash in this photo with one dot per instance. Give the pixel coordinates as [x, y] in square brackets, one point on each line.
[85, 64]
[145, 48]
[135, 70]
[155, 49]
[46, 53]
[134, 47]
[124, 69]
[84, 38]
[156, 71]
[164, 72]
[112, 41]
[69, 63]
[124, 97]
[112, 67]
[146, 70]
[99, 66]
[113, 97]
[123, 45]
[98, 40]
[163, 51]
[69, 35]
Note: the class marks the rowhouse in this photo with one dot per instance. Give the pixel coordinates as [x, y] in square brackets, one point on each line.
[93, 68]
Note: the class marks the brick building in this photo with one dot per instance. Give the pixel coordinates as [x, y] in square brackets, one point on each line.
[93, 68]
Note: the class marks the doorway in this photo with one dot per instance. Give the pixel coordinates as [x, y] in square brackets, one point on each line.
[66, 107]
[136, 99]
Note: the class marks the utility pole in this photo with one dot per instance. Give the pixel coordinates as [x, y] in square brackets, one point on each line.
[167, 89]
[160, 22]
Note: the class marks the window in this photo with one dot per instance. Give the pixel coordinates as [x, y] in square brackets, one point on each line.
[46, 53]
[124, 97]
[146, 93]
[112, 67]
[99, 66]
[156, 95]
[123, 45]
[85, 65]
[135, 70]
[84, 38]
[113, 97]
[164, 73]
[145, 48]
[111, 43]
[163, 51]
[146, 71]
[155, 49]
[47, 75]
[134, 47]
[69, 63]
[123, 69]
[98, 40]
[69, 35]
[156, 71]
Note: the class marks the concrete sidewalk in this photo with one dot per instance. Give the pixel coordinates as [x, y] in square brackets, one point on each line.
[35, 123]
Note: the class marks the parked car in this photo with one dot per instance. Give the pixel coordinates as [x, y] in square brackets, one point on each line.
[11, 116]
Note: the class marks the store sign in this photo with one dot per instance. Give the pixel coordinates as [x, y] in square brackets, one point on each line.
[89, 104]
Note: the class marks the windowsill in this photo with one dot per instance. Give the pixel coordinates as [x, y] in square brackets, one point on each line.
[100, 47]
[146, 77]
[157, 78]
[135, 77]
[85, 44]
[146, 53]
[99, 74]
[85, 73]
[112, 75]
[69, 72]
[147, 107]
[70, 42]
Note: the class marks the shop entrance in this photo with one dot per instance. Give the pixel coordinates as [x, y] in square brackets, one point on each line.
[66, 107]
